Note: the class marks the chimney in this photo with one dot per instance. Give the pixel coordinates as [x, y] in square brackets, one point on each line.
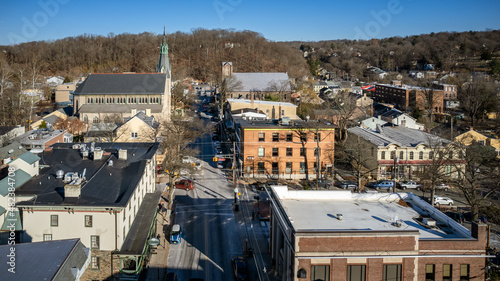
[134, 112]
[478, 231]
[251, 100]
[122, 154]
[148, 111]
[72, 190]
[98, 153]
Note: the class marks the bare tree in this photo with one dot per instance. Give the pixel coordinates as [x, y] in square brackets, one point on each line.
[476, 97]
[341, 111]
[360, 156]
[478, 173]
[175, 137]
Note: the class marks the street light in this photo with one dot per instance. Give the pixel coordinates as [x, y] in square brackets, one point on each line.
[396, 160]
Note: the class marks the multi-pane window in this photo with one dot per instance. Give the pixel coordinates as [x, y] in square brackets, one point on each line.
[317, 136]
[356, 272]
[94, 263]
[54, 220]
[320, 272]
[421, 155]
[392, 272]
[260, 167]
[261, 152]
[261, 136]
[274, 168]
[47, 237]
[447, 269]
[289, 151]
[316, 150]
[411, 155]
[464, 272]
[276, 137]
[431, 155]
[302, 151]
[393, 155]
[302, 169]
[94, 242]
[288, 168]
[430, 273]
[275, 152]
[289, 137]
[382, 155]
[88, 221]
[133, 135]
[401, 154]
[303, 137]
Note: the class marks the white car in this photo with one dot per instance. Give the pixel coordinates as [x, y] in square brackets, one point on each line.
[438, 200]
[409, 185]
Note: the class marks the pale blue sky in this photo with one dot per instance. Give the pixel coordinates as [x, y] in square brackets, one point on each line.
[30, 20]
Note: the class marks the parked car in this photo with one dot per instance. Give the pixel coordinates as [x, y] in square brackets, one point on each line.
[220, 164]
[346, 184]
[239, 268]
[458, 217]
[185, 184]
[323, 183]
[383, 185]
[438, 200]
[410, 185]
[175, 234]
[443, 186]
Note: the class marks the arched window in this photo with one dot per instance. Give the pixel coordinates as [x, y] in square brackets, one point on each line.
[401, 155]
[431, 155]
[411, 155]
[393, 154]
[96, 120]
[85, 119]
[421, 155]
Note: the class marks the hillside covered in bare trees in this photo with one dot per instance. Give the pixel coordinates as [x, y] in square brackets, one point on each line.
[197, 54]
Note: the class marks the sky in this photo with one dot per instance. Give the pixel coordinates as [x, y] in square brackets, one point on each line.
[291, 20]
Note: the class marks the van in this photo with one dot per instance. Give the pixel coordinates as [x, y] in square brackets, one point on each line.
[175, 234]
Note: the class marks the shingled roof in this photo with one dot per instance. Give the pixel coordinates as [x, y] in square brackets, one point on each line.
[123, 83]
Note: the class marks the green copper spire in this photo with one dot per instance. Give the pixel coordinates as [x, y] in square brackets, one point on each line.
[163, 63]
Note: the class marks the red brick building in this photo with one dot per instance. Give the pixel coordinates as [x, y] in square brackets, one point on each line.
[406, 97]
[339, 235]
[284, 149]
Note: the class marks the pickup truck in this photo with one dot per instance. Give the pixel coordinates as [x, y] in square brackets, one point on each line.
[409, 185]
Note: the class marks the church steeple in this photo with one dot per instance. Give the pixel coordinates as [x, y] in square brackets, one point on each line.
[163, 63]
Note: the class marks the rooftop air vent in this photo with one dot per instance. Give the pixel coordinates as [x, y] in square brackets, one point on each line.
[429, 222]
[60, 174]
[11, 151]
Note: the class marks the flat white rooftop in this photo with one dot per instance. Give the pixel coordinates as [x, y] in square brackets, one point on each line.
[313, 210]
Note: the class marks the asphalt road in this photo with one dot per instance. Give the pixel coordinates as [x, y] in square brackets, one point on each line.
[209, 230]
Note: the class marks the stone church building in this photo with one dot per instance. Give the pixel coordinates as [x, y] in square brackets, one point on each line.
[115, 96]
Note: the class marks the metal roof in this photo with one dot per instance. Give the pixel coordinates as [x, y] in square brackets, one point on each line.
[404, 137]
[20, 177]
[261, 81]
[138, 234]
[28, 157]
[123, 83]
[48, 260]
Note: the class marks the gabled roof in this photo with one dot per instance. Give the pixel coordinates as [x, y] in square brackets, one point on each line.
[261, 81]
[123, 83]
[149, 120]
[48, 260]
[20, 178]
[28, 157]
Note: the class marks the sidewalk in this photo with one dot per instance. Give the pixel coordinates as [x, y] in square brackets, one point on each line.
[254, 234]
[157, 266]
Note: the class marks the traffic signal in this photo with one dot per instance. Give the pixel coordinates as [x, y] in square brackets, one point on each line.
[215, 159]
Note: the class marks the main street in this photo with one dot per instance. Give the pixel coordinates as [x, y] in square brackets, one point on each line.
[210, 237]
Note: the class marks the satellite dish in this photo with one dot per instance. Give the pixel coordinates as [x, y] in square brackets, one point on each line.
[154, 241]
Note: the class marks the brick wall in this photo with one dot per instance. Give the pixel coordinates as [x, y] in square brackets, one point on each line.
[356, 244]
[104, 272]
